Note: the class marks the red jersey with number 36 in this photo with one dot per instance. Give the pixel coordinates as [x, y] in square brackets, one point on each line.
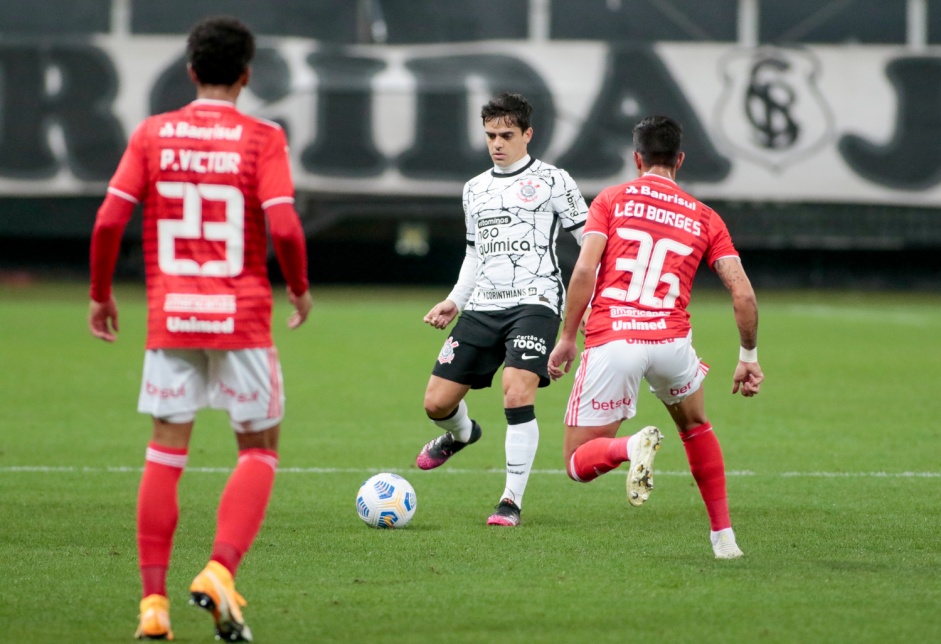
[204, 173]
[657, 236]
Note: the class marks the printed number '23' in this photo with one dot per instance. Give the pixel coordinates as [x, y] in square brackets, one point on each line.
[231, 231]
[647, 271]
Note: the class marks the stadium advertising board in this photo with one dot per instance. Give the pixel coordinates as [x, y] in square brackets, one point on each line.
[834, 124]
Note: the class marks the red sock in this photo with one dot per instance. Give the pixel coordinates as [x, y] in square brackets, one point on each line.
[243, 504]
[596, 457]
[157, 514]
[708, 468]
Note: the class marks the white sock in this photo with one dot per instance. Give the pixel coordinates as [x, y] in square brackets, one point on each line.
[631, 442]
[716, 535]
[521, 443]
[459, 423]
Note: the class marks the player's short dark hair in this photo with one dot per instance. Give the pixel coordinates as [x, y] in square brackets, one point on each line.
[658, 139]
[219, 50]
[512, 109]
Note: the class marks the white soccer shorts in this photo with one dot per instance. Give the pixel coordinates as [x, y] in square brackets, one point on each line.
[608, 377]
[247, 383]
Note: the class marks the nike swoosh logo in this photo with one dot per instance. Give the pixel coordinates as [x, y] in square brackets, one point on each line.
[528, 357]
[515, 464]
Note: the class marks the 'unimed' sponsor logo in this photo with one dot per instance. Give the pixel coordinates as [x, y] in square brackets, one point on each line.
[193, 324]
[638, 325]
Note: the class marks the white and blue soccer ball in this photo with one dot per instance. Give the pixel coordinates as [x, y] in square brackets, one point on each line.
[386, 500]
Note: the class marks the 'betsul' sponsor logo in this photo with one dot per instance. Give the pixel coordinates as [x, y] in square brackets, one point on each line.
[153, 390]
[225, 390]
[609, 405]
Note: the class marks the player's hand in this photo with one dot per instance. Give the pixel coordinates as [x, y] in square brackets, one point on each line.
[561, 358]
[442, 314]
[302, 305]
[103, 319]
[747, 378]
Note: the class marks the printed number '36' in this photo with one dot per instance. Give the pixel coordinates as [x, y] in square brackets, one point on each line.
[231, 231]
[647, 271]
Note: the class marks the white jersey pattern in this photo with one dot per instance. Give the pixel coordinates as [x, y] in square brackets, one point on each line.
[513, 221]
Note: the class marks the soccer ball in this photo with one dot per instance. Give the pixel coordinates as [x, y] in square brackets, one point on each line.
[386, 500]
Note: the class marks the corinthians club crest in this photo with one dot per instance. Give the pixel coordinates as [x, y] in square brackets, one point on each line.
[771, 110]
[527, 191]
[447, 351]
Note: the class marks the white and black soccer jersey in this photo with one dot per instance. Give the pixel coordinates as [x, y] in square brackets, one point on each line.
[513, 221]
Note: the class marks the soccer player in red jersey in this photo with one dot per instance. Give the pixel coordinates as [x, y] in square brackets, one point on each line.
[642, 245]
[211, 179]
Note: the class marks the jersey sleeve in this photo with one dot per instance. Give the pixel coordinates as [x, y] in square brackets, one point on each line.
[720, 241]
[290, 245]
[569, 203]
[130, 179]
[470, 233]
[112, 218]
[597, 221]
[274, 171]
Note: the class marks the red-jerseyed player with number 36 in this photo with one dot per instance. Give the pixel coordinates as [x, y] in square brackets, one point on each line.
[209, 178]
[641, 247]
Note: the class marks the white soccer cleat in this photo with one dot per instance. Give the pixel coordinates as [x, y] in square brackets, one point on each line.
[640, 479]
[723, 544]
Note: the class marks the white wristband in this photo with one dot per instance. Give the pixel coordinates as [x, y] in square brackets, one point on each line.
[747, 355]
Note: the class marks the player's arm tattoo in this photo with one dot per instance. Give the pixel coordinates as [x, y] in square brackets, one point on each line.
[729, 270]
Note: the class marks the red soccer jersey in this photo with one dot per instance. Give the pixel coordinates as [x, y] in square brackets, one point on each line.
[657, 235]
[204, 173]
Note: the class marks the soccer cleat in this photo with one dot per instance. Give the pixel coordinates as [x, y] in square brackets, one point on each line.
[723, 544]
[507, 514]
[154, 619]
[436, 453]
[214, 590]
[640, 479]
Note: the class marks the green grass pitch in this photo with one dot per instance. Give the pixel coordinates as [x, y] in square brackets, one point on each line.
[834, 484]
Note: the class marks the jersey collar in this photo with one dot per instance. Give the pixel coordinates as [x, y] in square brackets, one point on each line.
[655, 176]
[213, 101]
[515, 169]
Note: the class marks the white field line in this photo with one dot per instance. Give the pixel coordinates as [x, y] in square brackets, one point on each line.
[850, 314]
[66, 469]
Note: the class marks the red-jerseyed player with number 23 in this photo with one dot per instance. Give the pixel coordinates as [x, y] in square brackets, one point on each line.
[641, 247]
[208, 177]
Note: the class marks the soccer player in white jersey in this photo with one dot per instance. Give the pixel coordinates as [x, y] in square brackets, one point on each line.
[642, 244]
[511, 293]
[214, 184]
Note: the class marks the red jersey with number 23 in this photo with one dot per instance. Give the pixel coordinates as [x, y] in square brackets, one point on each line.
[204, 174]
[657, 235]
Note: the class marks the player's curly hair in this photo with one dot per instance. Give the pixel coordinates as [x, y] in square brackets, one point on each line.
[219, 50]
[512, 109]
[658, 139]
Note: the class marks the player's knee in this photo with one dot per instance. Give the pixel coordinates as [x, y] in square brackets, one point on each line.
[570, 467]
[437, 409]
[514, 398]
[266, 438]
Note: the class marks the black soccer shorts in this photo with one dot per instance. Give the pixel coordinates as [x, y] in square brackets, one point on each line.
[481, 341]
